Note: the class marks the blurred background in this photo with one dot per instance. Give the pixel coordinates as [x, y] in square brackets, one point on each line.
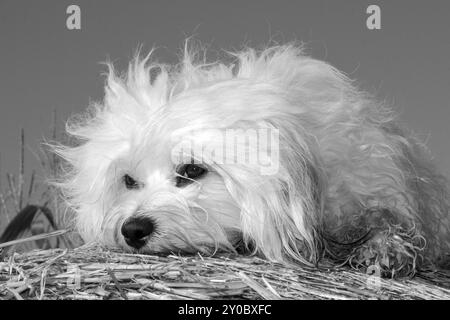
[48, 72]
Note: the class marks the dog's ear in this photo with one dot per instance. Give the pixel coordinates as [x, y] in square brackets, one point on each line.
[281, 213]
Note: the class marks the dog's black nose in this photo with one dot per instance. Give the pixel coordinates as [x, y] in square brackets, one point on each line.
[136, 230]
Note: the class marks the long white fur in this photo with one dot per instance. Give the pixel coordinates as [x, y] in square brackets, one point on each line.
[341, 154]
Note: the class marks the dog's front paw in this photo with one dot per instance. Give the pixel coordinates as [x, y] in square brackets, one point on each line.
[394, 251]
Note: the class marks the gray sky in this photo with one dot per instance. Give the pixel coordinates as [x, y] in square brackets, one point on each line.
[44, 66]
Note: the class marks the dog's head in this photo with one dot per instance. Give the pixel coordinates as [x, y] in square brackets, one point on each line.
[204, 156]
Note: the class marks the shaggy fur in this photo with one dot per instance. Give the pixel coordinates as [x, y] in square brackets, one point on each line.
[351, 185]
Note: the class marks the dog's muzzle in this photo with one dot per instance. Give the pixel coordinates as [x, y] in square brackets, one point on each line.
[137, 231]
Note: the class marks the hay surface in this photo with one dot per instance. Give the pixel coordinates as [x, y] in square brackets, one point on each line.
[91, 272]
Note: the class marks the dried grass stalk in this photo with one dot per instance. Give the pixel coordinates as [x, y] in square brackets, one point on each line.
[92, 272]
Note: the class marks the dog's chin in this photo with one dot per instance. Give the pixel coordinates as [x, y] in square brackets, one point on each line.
[155, 249]
[147, 248]
[232, 243]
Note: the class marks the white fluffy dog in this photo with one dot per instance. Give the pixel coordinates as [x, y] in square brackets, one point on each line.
[339, 178]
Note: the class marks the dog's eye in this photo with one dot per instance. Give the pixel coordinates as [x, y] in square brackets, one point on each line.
[193, 171]
[189, 172]
[130, 183]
